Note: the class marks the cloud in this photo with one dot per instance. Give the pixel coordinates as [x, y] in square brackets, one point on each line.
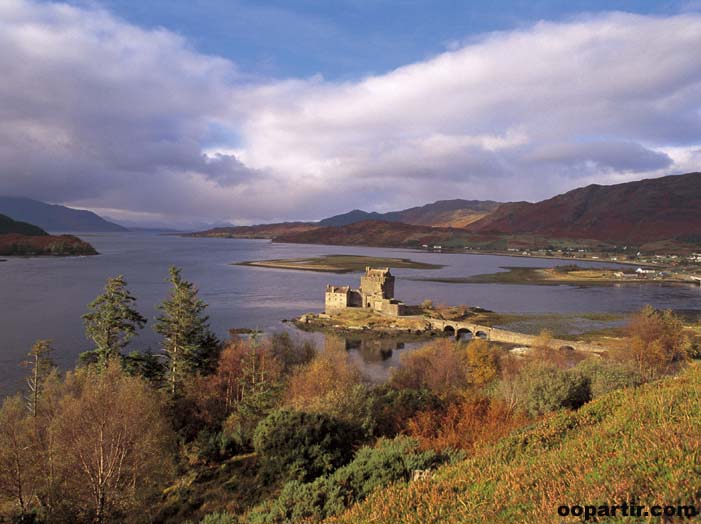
[100, 113]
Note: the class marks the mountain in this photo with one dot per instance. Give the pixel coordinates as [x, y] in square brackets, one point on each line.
[23, 239]
[443, 213]
[10, 226]
[656, 209]
[53, 217]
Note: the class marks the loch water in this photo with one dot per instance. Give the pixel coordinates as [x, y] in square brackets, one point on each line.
[45, 297]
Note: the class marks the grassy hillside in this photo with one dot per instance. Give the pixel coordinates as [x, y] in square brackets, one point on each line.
[643, 442]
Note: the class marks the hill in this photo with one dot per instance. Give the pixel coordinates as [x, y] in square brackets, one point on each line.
[443, 213]
[378, 233]
[640, 442]
[667, 208]
[10, 226]
[53, 217]
[24, 239]
[258, 231]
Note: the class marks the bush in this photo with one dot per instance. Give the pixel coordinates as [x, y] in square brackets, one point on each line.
[302, 446]
[373, 467]
[658, 344]
[219, 518]
[544, 388]
[439, 366]
[215, 446]
[289, 352]
[606, 375]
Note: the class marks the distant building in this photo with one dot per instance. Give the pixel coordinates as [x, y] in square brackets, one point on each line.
[376, 292]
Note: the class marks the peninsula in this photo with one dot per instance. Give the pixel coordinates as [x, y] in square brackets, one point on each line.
[24, 239]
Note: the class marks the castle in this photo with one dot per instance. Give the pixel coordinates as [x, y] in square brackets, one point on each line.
[376, 292]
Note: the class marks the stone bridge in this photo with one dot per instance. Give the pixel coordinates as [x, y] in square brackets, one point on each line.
[462, 329]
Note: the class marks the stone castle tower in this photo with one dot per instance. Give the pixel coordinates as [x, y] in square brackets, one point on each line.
[376, 292]
[376, 284]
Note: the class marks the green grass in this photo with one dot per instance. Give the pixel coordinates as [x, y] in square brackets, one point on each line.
[643, 442]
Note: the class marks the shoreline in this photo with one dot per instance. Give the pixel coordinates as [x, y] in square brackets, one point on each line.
[518, 275]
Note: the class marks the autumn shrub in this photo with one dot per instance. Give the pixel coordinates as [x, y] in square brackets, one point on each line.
[302, 446]
[544, 388]
[439, 366]
[330, 374]
[465, 424]
[482, 362]
[657, 343]
[607, 375]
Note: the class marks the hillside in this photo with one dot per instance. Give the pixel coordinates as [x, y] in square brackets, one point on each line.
[24, 239]
[443, 213]
[376, 233]
[661, 214]
[39, 245]
[635, 212]
[258, 231]
[53, 217]
[10, 226]
[643, 442]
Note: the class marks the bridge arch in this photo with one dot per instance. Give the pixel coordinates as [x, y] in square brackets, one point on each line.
[566, 348]
[463, 334]
[449, 330]
[482, 334]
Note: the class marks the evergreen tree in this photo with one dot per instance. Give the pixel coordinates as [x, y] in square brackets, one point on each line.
[189, 344]
[40, 365]
[111, 321]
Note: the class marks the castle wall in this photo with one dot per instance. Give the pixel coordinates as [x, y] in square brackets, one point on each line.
[335, 301]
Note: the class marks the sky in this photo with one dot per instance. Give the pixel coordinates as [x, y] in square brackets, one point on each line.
[192, 112]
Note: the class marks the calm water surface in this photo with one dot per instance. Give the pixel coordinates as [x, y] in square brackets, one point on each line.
[45, 297]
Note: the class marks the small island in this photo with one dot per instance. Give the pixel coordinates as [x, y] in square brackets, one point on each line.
[339, 263]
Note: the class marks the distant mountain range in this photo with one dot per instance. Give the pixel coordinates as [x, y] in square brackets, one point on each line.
[53, 217]
[663, 211]
[443, 213]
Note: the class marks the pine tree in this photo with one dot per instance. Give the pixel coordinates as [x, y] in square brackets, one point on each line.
[40, 365]
[189, 344]
[112, 321]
